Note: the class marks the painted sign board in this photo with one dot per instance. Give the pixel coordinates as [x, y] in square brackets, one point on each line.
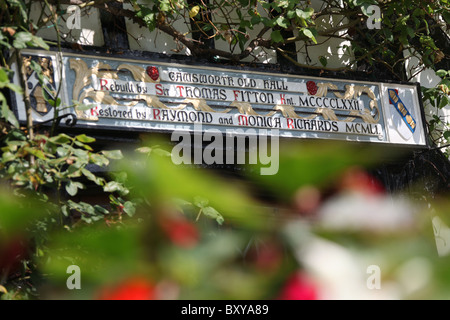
[124, 94]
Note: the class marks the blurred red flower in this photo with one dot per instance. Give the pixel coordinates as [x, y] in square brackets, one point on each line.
[137, 288]
[266, 257]
[307, 200]
[12, 252]
[153, 72]
[180, 231]
[359, 180]
[298, 287]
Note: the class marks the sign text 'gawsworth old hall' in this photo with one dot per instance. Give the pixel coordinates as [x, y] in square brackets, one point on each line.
[145, 95]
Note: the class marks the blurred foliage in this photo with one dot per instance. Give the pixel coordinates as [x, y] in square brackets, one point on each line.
[166, 232]
[290, 249]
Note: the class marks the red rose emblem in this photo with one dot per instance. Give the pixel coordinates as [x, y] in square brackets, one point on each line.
[153, 73]
[312, 87]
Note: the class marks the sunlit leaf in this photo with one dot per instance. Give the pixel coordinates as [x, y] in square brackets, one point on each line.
[213, 213]
[84, 138]
[194, 11]
[113, 154]
[441, 73]
[310, 34]
[72, 187]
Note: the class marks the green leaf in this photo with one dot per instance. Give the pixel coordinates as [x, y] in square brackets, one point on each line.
[114, 200]
[410, 32]
[7, 157]
[303, 22]
[92, 177]
[266, 5]
[282, 3]
[181, 202]
[164, 5]
[309, 33]
[145, 150]
[21, 39]
[113, 186]
[113, 154]
[213, 213]
[304, 14]
[82, 106]
[14, 87]
[148, 16]
[101, 210]
[276, 36]
[447, 135]
[446, 82]
[121, 177]
[201, 202]
[9, 116]
[323, 60]
[84, 146]
[3, 75]
[255, 19]
[52, 102]
[268, 22]
[207, 27]
[74, 171]
[39, 43]
[82, 156]
[84, 138]
[65, 210]
[99, 160]
[19, 4]
[282, 22]
[162, 152]
[441, 73]
[72, 187]
[60, 139]
[291, 14]
[446, 16]
[444, 102]
[4, 43]
[129, 208]
[37, 153]
[388, 34]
